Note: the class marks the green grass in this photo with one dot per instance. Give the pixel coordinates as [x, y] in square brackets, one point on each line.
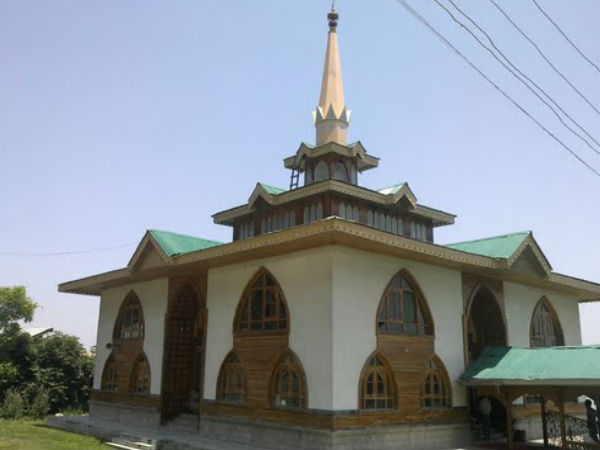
[28, 435]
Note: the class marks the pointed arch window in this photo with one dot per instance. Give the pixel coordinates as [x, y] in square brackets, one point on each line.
[109, 375]
[140, 375]
[377, 390]
[130, 322]
[545, 326]
[262, 307]
[321, 171]
[232, 381]
[402, 309]
[339, 172]
[289, 383]
[436, 389]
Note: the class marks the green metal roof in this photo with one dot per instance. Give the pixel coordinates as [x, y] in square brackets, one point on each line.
[177, 244]
[534, 366]
[496, 247]
[391, 189]
[272, 189]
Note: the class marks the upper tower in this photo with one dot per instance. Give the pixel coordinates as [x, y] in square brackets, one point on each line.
[331, 116]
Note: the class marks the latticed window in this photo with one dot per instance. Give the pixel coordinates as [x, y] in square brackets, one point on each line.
[289, 386]
[232, 381]
[140, 376]
[262, 307]
[109, 375]
[401, 310]
[435, 393]
[545, 327]
[130, 323]
[377, 388]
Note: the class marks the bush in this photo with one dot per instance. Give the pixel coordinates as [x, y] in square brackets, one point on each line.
[14, 405]
[40, 405]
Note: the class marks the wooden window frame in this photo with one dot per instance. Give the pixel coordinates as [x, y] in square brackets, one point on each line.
[551, 319]
[281, 313]
[370, 372]
[122, 325]
[232, 364]
[423, 324]
[110, 370]
[435, 369]
[133, 386]
[288, 364]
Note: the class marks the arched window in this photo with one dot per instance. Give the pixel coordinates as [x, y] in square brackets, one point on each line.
[370, 218]
[140, 376]
[306, 215]
[321, 171]
[342, 210]
[109, 375]
[130, 322]
[339, 172]
[319, 211]
[262, 307]
[231, 387]
[377, 390]
[545, 326]
[308, 179]
[288, 385]
[436, 390]
[402, 309]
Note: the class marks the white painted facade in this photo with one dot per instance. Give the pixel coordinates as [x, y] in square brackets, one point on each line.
[153, 297]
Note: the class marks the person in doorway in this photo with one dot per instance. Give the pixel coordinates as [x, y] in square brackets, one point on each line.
[485, 409]
[592, 420]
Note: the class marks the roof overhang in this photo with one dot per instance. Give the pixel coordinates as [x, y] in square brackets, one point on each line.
[355, 150]
[331, 231]
[437, 217]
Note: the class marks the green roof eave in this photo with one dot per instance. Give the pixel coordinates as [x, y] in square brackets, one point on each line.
[273, 190]
[503, 246]
[534, 366]
[177, 244]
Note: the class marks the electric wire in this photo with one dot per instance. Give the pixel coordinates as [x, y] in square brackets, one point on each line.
[65, 253]
[430, 27]
[565, 36]
[520, 76]
[543, 55]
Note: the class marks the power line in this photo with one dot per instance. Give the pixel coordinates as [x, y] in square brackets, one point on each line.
[521, 74]
[558, 72]
[565, 36]
[489, 80]
[74, 252]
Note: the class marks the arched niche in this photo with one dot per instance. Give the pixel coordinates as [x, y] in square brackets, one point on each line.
[485, 325]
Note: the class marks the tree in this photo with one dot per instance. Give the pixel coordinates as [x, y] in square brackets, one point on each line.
[15, 305]
[64, 370]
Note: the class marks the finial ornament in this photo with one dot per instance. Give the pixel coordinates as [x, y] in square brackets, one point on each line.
[333, 18]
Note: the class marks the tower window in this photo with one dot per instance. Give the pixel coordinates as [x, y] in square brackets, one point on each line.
[321, 172]
[339, 172]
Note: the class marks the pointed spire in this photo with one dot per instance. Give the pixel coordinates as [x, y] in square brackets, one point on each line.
[331, 117]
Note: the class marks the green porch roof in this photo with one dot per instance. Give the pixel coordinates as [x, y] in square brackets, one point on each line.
[391, 189]
[177, 244]
[534, 366]
[273, 190]
[496, 247]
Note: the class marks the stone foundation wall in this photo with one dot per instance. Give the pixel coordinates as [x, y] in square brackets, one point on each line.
[125, 414]
[278, 437]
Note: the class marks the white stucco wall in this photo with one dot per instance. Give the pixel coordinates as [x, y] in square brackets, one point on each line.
[153, 296]
[520, 301]
[305, 278]
[359, 280]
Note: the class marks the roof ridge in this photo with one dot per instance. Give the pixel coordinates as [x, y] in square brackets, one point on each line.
[153, 230]
[528, 232]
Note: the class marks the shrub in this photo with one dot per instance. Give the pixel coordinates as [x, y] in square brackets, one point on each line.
[40, 405]
[14, 405]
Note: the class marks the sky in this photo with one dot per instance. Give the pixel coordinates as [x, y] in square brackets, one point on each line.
[121, 116]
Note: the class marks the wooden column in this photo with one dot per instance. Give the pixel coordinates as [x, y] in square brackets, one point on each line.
[544, 420]
[507, 400]
[563, 426]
